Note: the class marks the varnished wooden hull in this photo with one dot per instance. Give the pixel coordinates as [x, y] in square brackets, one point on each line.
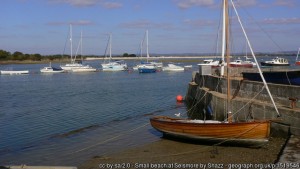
[246, 132]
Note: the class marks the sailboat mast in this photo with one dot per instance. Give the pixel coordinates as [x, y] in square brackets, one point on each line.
[227, 52]
[223, 41]
[81, 45]
[147, 47]
[141, 49]
[110, 46]
[71, 43]
[297, 54]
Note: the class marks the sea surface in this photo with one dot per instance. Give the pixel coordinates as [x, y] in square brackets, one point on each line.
[67, 118]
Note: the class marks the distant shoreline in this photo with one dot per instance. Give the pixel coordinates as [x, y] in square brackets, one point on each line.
[163, 59]
[154, 58]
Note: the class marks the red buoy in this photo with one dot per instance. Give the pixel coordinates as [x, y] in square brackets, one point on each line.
[179, 98]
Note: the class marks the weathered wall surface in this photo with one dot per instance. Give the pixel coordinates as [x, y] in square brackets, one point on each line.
[250, 100]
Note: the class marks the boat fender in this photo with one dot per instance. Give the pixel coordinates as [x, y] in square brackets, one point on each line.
[179, 98]
[209, 110]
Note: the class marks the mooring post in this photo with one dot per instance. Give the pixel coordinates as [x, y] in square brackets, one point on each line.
[293, 101]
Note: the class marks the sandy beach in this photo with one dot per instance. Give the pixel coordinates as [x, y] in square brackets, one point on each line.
[167, 153]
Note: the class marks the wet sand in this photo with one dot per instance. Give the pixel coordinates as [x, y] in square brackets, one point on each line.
[167, 153]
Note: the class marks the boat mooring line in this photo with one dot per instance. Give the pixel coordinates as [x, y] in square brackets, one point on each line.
[214, 146]
[112, 138]
[287, 77]
[247, 102]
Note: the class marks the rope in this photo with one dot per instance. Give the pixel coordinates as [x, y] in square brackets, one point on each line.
[112, 138]
[247, 103]
[291, 116]
[195, 104]
[287, 77]
[196, 150]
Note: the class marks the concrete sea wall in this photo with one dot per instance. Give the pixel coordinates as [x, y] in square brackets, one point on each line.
[206, 97]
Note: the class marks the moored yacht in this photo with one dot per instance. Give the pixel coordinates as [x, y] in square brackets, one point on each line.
[119, 65]
[276, 62]
[173, 67]
[241, 63]
[76, 64]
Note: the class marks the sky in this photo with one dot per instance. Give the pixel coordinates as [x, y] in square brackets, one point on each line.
[175, 26]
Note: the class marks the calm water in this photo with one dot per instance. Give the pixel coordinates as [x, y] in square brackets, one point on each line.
[65, 119]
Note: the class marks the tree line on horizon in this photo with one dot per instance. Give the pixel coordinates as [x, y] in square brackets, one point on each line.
[19, 56]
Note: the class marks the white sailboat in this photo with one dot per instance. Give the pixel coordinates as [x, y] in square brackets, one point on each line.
[75, 65]
[148, 67]
[118, 65]
[84, 68]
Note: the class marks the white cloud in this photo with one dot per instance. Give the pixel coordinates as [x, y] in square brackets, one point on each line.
[184, 4]
[86, 3]
[146, 24]
[289, 3]
[246, 3]
[79, 22]
[78, 3]
[282, 21]
[111, 5]
[198, 23]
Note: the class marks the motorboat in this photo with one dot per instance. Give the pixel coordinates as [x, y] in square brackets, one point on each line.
[173, 67]
[51, 69]
[241, 63]
[276, 62]
[210, 62]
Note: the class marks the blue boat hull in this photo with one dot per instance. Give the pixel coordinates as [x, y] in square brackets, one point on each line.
[279, 77]
[145, 70]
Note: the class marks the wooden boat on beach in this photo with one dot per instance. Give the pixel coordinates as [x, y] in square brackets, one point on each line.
[228, 130]
[247, 132]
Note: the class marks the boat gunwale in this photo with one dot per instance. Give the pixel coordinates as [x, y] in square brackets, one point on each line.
[184, 121]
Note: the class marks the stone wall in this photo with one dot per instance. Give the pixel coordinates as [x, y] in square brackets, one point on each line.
[249, 100]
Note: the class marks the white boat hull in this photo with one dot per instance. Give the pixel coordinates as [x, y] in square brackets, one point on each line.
[174, 68]
[14, 72]
[50, 70]
[84, 70]
[114, 66]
